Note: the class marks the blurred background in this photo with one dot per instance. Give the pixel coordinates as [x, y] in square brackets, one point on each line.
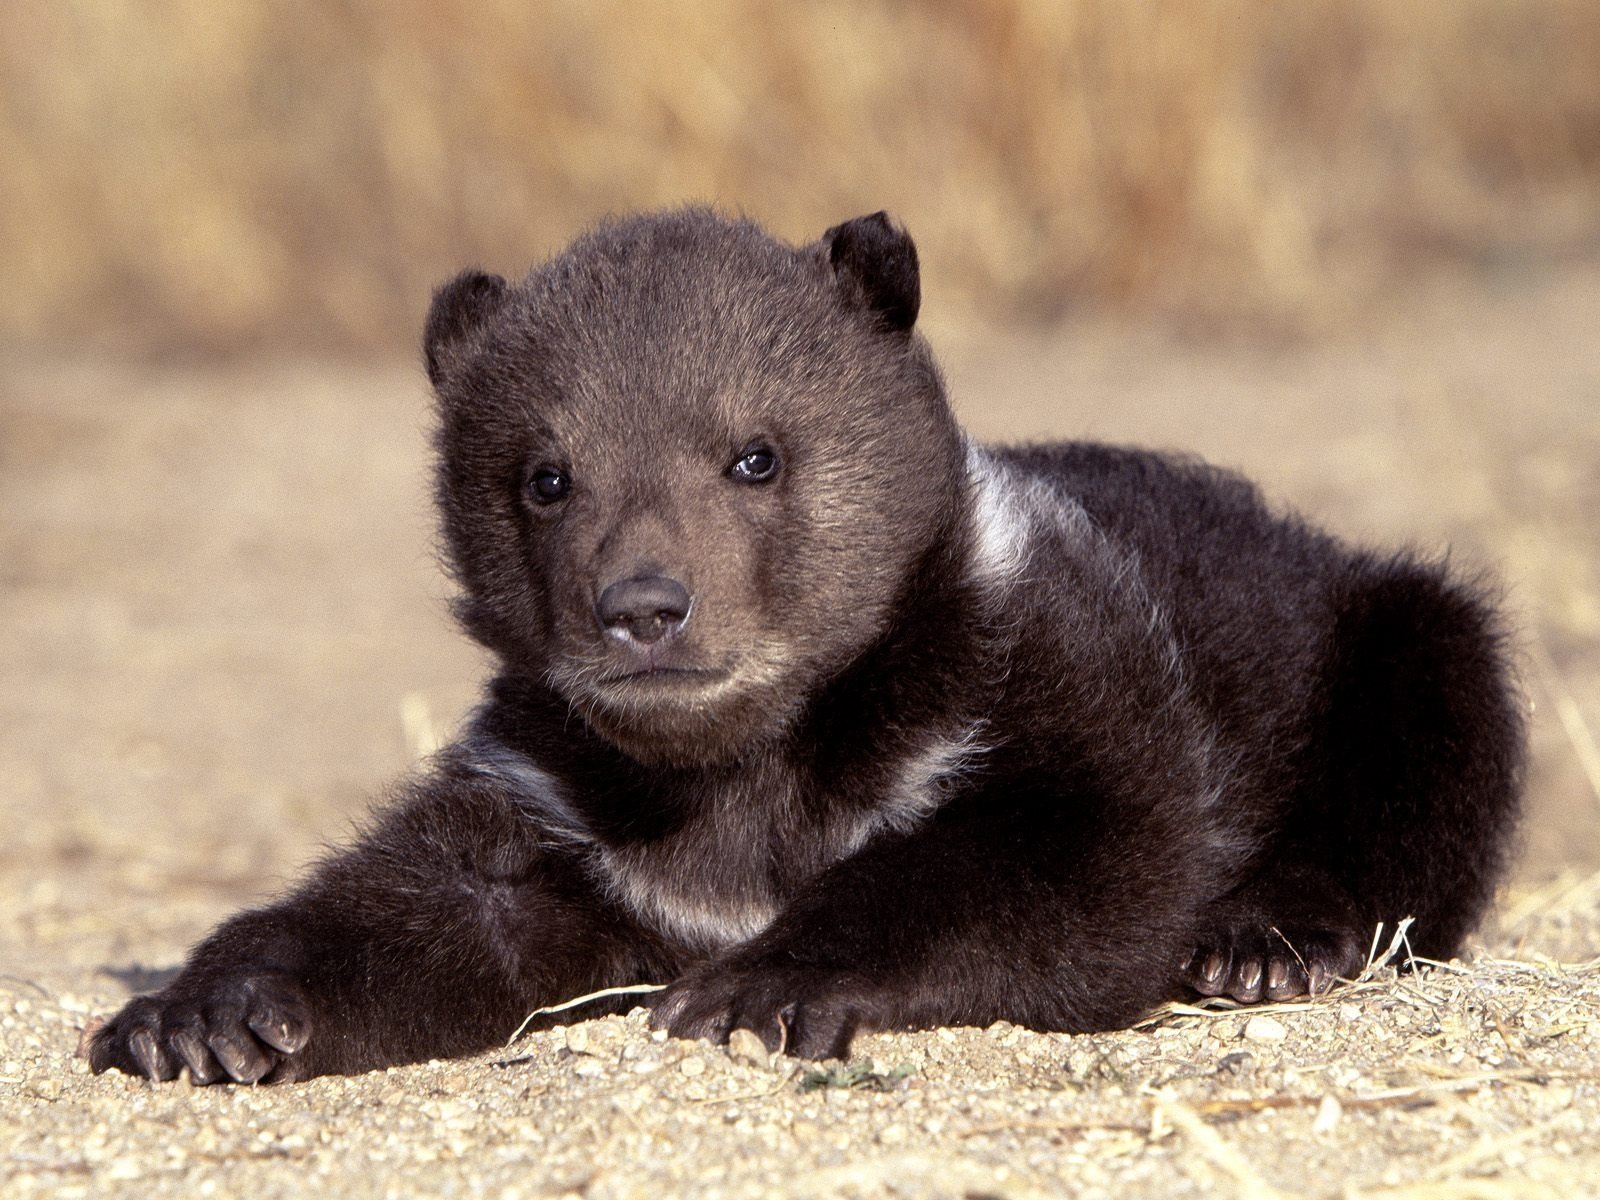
[188, 174]
[1350, 246]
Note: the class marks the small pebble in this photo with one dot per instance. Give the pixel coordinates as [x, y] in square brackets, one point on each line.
[1264, 1029]
[1329, 1110]
[46, 1089]
[602, 1039]
[745, 1046]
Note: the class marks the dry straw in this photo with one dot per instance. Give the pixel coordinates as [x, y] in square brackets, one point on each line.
[184, 173]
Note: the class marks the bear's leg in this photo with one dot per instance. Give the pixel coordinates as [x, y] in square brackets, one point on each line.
[1411, 797]
[1053, 908]
[434, 935]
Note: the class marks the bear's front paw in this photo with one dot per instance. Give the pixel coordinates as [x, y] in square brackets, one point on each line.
[245, 1029]
[809, 1013]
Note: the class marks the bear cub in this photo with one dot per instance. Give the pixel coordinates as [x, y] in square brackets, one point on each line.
[834, 719]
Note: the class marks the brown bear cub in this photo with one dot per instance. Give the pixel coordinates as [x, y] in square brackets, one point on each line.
[836, 720]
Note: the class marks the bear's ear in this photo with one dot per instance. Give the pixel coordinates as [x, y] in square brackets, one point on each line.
[459, 308]
[876, 259]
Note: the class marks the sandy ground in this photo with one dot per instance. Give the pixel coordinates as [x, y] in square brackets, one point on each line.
[222, 628]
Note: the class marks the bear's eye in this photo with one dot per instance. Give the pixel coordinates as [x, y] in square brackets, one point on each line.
[756, 465]
[548, 484]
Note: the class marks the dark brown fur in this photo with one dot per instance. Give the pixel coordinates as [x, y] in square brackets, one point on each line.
[836, 721]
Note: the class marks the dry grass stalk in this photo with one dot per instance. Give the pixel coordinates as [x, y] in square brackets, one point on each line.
[636, 989]
[1579, 735]
[180, 177]
[1215, 1148]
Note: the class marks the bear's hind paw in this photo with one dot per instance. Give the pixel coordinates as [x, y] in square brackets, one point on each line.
[1251, 965]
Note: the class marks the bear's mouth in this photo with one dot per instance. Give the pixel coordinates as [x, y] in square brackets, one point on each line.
[667, 676]
[681, 712]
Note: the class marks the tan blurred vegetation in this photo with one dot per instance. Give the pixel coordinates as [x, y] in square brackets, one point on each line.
[196, 174]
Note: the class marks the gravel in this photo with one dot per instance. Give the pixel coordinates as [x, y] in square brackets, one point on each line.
[221, 629]
[1468, 1076]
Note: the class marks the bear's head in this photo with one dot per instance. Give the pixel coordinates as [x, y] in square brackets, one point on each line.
[686, 471]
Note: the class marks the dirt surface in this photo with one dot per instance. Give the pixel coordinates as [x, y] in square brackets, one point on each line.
[222, 629]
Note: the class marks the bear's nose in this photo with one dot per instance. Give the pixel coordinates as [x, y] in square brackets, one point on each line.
[645, 609]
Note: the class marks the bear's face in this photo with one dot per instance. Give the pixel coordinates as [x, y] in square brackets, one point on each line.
[685, 470]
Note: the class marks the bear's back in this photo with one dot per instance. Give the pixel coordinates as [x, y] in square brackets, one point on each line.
[1248, 592]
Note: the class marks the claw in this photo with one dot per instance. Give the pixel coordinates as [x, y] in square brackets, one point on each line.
[86, 1040]
[1247, 981]
[147, 1052]
[202, 1065]
[278, 1031]
[1212, 974]
[244, 1063]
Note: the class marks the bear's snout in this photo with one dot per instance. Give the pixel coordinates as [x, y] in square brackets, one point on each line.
[643, 609]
